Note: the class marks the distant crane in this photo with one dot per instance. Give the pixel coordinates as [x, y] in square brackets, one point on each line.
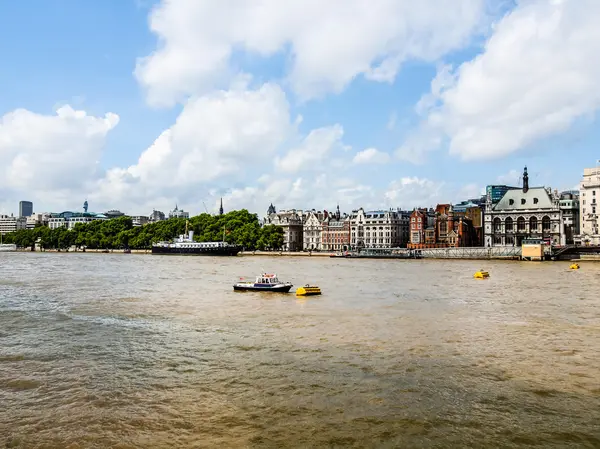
[205, 207]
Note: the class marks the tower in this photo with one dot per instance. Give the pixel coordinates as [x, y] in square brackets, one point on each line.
[337, 212]
[85, 206]
[525, 180]
[221, 208]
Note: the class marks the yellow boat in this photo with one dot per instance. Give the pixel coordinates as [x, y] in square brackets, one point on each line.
[308, 290]
[574, 266]
[481, 274]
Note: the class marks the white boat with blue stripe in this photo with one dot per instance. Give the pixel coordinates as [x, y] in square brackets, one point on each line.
[264, 283]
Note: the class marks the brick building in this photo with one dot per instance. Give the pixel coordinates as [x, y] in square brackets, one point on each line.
[335, 231]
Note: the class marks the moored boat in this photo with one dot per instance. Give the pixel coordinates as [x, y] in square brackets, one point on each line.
[185, 245]
[264, 283]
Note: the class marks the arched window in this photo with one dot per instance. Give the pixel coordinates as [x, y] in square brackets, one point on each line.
[533, 224]
[443, 227]
[508, 224]
[497, 224]
[546, 223]
[520, 224]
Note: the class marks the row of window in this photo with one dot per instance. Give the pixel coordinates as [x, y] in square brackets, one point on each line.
[523, 201]
[533, 224]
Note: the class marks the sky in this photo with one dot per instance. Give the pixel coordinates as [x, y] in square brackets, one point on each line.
[139, 105]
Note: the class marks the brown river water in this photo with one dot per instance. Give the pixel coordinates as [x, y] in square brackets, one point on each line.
[141, 351]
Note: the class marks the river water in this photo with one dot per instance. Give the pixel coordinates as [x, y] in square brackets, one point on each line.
[141, 351]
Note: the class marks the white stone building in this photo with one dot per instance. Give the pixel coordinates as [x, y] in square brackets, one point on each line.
[589, 197]
[379, 229]
[139, 220]
[292, 223]
[10, 223]
[178, 213]
[312, 227]
[524, 213]
[71, 219]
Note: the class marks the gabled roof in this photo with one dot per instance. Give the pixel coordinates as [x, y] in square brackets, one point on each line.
[543, 200]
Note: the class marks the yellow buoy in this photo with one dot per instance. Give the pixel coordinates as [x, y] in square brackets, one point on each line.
[481, 274]
[308, 290]
[574, 266]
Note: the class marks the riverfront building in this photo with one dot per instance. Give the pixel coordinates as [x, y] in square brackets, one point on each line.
[526, 213]
[589, 195]
[312, 227]
[292, 223]
[335, 231]
[10, 224]
[70, 219]
[178, 213]
[379, 229]
[570, 217]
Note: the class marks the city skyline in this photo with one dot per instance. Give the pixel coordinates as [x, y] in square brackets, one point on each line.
[412, 107]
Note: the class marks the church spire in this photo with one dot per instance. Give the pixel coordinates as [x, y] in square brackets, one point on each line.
[525, 180]
[221, 208]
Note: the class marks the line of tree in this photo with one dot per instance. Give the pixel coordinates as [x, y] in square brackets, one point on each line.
[237, 227]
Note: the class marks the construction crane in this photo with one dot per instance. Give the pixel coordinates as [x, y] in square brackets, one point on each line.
[205, 207]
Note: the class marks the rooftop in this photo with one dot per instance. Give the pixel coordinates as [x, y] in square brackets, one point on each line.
[534, 198]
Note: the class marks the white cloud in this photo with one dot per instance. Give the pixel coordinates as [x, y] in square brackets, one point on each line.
[510, 178]
[410, 192]
[371, 156]
[538, 73]
[305, 192]
[330, 43]
[312, 151]
[391, 124]
[418, 143]
[226, 134]
[45, 156]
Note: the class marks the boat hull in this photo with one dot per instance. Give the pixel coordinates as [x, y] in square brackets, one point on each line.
[252, 288]
[219, 251]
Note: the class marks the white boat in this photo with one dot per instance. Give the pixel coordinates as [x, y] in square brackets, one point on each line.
[264, 283]
[7, 247]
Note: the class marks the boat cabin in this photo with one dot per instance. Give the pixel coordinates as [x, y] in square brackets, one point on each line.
[267, 279]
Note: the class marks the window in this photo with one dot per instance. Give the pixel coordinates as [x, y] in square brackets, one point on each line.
[511, 202]
[593, 193]
[508, 224]
[535, 201]
[520, 224]
[533, 224]
[584, 202]
[497, 224]
[522, 200]
[546, 223]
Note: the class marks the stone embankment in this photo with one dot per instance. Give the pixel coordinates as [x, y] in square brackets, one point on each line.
[287, 253]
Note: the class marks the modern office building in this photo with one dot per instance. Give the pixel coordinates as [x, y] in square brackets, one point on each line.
[25, 208]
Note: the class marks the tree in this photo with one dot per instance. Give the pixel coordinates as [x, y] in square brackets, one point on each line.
[238, 227]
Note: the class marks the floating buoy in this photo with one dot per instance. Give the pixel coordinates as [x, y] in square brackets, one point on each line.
[574, 266]
[481, 274]
[308, 290]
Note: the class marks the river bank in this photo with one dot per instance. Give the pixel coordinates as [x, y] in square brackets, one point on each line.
[582, 257]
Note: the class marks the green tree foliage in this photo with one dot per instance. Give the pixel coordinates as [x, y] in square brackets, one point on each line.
[238, 227]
